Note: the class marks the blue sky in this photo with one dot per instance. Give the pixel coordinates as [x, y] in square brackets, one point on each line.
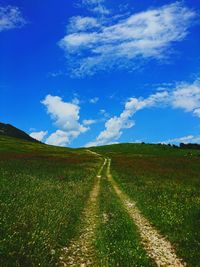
[93, 72]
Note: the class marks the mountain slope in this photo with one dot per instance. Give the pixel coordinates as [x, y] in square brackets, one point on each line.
[9, 130]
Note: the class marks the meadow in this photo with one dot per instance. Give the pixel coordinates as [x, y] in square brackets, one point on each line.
[166, 188]
[43, 190]
[117, 239]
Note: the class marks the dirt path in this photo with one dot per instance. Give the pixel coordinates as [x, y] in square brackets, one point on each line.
[94, 153]
[157, 247]
[80, 251]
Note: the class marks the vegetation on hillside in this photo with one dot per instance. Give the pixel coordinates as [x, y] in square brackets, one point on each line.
[43, 190]
[145, 149]
[9, 130]
[165, 183]
[118, 241]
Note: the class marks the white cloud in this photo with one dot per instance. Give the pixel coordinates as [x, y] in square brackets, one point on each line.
[75, 101]
[104, 113]
[39, 135]
[101, 9]
[96, 6]
[184, 96]
[59, 138]
[66, 117]
[65, 114]
[10, 18]
[79, 23]
[185, 139]
[92, 2]
[143, 35]
[115, 125]
[197, 112]
[55, 74]
[187, 97]
[89, 122]
[94, 100]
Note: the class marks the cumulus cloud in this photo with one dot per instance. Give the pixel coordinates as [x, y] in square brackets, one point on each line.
[10, 18]
[59, 138]
[39, 135]
[122, 43]
[184, 96]
[65, 114]
[66, 118]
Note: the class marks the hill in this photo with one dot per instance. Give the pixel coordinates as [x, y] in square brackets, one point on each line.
[146, 150]
[134, 205]
[9, 130]
[43, 190]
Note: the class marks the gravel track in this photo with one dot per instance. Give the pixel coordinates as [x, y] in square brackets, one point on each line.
[159, 249]
[81, 251]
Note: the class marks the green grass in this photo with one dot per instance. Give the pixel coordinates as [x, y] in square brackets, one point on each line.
[42, 195]
[43, 191]
[167, 191]
[16, 145]
[144, 149]
[117, 241]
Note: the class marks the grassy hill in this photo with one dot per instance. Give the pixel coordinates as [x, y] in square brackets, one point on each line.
[9, 130]
[44, 190]
[16, 145]
[165, 183]
[144, 149]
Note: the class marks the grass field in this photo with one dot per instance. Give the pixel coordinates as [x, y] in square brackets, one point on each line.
[139, 149]
[166, 188]
[42, 196]
[117, 241]
[44, 191]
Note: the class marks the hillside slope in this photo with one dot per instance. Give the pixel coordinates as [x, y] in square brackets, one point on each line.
[135, 205]
[43, 191]
[141, 149]
[163, 181]
[9, 130]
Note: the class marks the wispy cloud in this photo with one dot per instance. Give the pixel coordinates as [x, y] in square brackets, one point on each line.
[114, 126]
[185, 139]
[94, 45]
[104, 113]
[96, 6]
[79, 24]
[10, 18]
[89, 122]
[185, 96]
[55, 74]
[94, 100]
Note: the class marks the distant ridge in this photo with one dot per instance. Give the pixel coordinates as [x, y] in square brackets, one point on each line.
[9, 130]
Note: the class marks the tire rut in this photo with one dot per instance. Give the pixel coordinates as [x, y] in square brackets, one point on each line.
[81, 251]
[158, 248]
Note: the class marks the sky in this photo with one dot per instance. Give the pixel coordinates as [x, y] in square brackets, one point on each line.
[94, 72]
